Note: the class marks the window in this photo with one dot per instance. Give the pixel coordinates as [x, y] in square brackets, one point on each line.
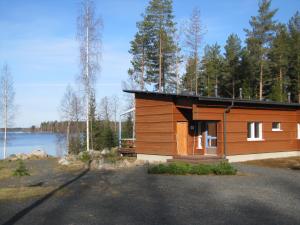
[254, 131]
[276, 126]
[298, 130]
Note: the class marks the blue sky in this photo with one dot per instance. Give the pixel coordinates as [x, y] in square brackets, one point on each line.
[37, 40]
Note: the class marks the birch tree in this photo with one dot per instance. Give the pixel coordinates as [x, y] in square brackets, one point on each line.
[71, 112]
[89, 32]
[7, 106]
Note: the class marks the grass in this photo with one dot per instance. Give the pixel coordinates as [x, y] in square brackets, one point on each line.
[291, 163]
[23, 192]
[222, 168]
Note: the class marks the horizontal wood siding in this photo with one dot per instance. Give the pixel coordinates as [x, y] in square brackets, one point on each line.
[285, 140]
[155, 125]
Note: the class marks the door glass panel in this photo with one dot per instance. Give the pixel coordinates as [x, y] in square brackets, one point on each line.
[211, 141]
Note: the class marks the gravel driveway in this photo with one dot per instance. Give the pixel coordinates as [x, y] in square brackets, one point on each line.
[257, 196]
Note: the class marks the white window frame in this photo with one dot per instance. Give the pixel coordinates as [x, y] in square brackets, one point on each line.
[252, 132]
[298, 130]
[276, 129]
[199, 145]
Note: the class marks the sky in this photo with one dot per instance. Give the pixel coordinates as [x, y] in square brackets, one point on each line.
[38, 42]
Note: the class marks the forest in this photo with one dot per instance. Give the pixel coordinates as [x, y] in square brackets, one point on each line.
[265, 66]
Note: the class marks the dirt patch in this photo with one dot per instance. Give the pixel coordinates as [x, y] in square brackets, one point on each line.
[23, 192]
[291, 163]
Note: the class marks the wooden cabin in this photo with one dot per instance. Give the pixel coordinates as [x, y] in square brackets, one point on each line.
[171, 126]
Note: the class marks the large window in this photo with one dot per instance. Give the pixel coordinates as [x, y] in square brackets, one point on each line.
[254, 131]
[276, 126]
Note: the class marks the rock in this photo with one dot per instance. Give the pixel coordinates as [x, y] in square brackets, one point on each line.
[38, 153]
[63, 161]
[296, 166]
[22, 156]
[105, 151]
[94, 154]
[71, 158]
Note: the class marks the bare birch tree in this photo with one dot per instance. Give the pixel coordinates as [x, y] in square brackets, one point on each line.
[7, 106]
[89, 33]
[115, 109]
[71, 111]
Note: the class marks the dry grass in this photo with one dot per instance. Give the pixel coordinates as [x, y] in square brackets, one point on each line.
[23, 192]
[291, 163]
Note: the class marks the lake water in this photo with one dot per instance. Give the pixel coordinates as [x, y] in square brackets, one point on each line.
[25, 142]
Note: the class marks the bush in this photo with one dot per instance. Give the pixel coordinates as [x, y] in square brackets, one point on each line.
[85, 157]
[223, 168]
[21, 170]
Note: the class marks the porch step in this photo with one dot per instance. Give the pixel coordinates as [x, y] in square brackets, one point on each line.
[197, 159]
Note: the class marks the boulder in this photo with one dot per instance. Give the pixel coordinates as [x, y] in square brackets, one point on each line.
[64, 162]
[105, 151]
[94, 154]
[22, 156]
[38, 153]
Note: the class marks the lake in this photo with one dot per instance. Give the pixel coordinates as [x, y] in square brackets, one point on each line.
[25, 142]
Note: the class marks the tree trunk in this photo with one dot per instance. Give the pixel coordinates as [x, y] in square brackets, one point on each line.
[143, 69]
[280, 84]
[68, 137]
[196, 77]
[261, 82]
[160, 62]
[87, 92]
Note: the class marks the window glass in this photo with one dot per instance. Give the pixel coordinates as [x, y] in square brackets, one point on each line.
[276, 126]
[256, 130]
[249, 129]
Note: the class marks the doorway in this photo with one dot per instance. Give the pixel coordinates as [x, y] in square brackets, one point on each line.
[211, 138]
[181, 136]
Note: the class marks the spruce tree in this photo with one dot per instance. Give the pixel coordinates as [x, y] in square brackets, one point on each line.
[212, 68]
[294, 56]
[259, 38]
[230, 81]
[279, 55]
[188, 79]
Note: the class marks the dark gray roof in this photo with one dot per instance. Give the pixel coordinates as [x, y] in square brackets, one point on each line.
[221, 100]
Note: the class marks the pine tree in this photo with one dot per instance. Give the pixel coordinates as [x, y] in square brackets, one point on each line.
[139, 57]
[294, 59]
[230, 80]
[279, 54]
[161, 49]
[259, 39]
[212, 68]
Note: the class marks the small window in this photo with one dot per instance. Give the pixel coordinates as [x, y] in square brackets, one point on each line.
[276, 126]
[254, 131]
[298, 130]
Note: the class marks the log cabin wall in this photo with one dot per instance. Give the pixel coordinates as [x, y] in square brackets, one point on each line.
[236, 126]
[155, 127]
[273, 141]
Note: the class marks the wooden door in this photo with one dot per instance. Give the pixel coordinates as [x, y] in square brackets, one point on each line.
[182, 134]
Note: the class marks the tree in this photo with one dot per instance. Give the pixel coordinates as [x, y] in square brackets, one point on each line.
[193, 40]
[212, 66]
[7, 105]
[294, 56]
[89, 30]
[139, 58]
[260, 37]
[232, 63]
[161, 49]
[71, 111]
[279, 58]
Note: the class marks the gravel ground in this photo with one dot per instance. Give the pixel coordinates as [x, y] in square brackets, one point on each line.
[256, 196]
